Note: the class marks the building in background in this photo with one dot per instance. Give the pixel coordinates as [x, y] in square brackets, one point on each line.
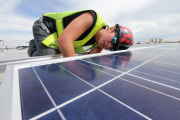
[152, 40]
[160, 40]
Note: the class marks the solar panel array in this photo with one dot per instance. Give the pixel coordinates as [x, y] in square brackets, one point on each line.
[137, 84]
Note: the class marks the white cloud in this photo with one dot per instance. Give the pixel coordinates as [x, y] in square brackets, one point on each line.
[11, 20]
[14, 38]
[160, 28]
[112, 9]
[146, 18]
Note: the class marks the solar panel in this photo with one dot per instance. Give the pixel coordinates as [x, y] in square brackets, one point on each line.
[131, 84]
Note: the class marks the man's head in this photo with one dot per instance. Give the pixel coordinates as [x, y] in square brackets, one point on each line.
[116, 38]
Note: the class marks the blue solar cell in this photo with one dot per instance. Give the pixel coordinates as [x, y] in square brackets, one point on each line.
[160, 73]
[34, 99]
[61, 85]
[51, 116]
[172, 54]
[97, 106]
[90, 75]
[112, 72]
[150, 51]
[120, 65]
[163, 67]
[168, 60]
[136, 61]
[168, 82]
[142, 56]
[147, 102]
[166, 46]
[154, 86]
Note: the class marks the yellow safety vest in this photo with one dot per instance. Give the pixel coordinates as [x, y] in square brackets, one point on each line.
[51, 40]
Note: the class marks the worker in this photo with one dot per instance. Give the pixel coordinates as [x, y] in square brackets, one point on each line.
[66, 33]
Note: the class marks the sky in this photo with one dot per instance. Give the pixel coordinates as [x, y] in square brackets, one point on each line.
[145, 18]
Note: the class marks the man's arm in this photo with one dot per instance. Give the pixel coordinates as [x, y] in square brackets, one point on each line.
[72, 32]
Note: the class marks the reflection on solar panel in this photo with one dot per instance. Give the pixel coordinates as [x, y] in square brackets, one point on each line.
[135, 84]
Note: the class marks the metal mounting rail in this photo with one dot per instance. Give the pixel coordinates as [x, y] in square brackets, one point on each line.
[29, 59]
[33, 59]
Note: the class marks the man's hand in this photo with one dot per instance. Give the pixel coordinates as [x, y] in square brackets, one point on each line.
[96, 50]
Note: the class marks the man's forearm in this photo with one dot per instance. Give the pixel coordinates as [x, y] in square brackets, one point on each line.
[66, 47]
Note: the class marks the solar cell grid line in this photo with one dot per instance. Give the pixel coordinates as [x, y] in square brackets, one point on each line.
[151, 81]
[130, 64]
[144, 73]
[152, 89]
[27, 79]
[155, 82]
[163, 67]
[143, 78]
[153, 76]
[102, 92]
[160, 62]
[162, 83]
[98, 106]
[157, 68]
[171, 61]
[169, 89]
[84, 95]
[123, 69]
[164, 74]
[144, 66]
[149, 56]
[163, 48]
[94, 77]
[172, 56]
[134, 67]
[150, 103]
[62, 116]
[94, 68]
[61, 85]
[153, 68]
[173, 53]
[141, 72]
[116, 56]
[151, 51]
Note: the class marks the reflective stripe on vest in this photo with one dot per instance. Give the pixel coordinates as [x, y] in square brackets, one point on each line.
[50, 41]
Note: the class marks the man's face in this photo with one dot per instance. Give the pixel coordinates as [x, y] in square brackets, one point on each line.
[106, 38]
